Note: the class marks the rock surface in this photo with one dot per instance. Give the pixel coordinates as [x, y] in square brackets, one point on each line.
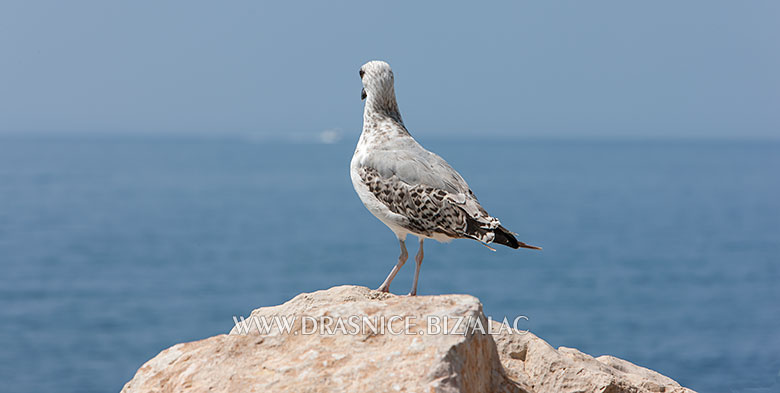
[353, 339]
[529, 359]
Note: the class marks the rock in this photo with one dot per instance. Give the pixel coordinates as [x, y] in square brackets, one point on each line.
[384, 343]
[529, 359]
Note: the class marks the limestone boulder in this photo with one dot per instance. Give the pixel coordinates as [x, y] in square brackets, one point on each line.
[353, 339]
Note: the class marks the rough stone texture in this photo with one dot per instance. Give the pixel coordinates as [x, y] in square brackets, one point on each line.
[340, 361]
[529, 359]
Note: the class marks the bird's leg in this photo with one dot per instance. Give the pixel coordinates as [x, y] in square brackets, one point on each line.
[385, 287]
[418, 261]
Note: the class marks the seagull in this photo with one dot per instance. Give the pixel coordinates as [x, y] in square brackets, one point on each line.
[410, 189]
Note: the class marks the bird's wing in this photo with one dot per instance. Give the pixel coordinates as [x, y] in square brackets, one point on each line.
[413, 164]
[422, 187]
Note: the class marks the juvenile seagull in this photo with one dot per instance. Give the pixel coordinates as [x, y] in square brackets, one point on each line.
[410, 189]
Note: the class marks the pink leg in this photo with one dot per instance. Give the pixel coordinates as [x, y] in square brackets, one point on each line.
[418, 260]
[385, 287]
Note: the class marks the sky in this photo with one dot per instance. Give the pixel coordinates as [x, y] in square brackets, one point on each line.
[537, 68]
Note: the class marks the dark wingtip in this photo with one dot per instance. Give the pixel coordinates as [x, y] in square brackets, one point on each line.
[523, 245]
[507, 238]
[501, 236]
[504, 237]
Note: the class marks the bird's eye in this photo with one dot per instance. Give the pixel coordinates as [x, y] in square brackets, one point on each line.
[362, 73]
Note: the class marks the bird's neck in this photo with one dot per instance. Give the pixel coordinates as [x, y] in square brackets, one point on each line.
[380, 107]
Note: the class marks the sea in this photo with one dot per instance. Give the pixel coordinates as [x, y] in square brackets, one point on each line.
[662, 252]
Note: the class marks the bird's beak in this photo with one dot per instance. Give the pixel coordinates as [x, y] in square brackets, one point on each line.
[363, 94]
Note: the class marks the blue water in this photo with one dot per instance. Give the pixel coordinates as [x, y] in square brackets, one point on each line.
[664, 253]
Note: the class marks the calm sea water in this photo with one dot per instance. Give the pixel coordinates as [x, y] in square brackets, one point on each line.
[665, 253]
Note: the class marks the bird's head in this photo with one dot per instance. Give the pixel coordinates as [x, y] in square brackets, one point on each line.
[377, 80]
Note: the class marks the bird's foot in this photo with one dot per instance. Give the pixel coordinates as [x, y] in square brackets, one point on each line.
[412, 294]
[385, 289]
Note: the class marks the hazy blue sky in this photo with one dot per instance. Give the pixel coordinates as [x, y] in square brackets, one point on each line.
[526, 68]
